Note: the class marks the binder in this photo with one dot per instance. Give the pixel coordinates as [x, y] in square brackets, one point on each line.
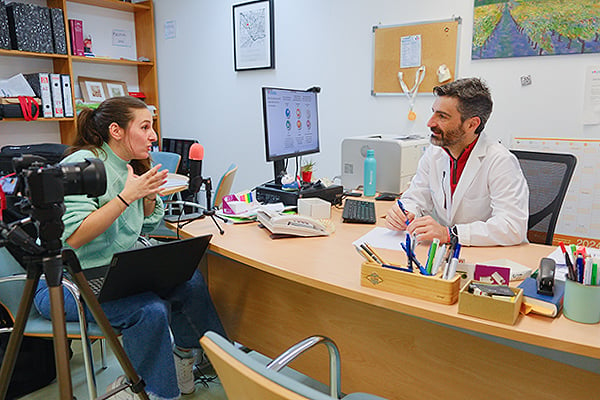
[67, 97]
[59, 35]
[40, 83]
[4, 35]
[57, 100]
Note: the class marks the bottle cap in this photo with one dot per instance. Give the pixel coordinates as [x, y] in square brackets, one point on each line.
[370, 153]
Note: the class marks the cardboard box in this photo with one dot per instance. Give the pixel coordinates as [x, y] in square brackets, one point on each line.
[432, 288]
[490, 308]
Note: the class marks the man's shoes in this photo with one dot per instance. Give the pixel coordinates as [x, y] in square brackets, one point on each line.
[125, 394]
[185, 374]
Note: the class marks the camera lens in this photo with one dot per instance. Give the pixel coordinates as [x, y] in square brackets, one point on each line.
[86, 177]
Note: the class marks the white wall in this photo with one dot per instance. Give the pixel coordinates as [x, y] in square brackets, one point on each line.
[329, 43]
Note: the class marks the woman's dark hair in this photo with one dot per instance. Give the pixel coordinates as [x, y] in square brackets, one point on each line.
[474, 99]
[93, 126]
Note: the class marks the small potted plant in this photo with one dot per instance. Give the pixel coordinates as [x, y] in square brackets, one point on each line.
[306, 169]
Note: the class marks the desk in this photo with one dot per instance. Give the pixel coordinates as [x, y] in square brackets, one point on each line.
[273, 293]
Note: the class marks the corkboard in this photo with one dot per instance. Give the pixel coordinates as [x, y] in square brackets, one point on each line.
[438, 46]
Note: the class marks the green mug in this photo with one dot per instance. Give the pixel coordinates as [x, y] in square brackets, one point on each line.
[581, 302]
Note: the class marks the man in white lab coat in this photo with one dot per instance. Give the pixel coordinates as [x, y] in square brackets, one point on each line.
[466, 184]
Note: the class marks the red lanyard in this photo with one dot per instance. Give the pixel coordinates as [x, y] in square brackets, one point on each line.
[27, 104]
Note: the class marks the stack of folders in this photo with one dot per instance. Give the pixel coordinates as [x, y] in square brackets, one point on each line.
[541, 304]
[55, 92]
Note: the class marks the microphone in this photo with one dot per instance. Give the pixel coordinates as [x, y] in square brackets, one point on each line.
[195, 156]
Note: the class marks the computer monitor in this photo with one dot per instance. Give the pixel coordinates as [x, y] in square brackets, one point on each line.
[181, 147]
[291, 125]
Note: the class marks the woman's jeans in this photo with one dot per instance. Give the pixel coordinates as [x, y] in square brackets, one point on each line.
[144, 321]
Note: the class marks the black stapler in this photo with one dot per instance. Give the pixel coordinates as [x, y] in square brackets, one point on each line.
[545, 277]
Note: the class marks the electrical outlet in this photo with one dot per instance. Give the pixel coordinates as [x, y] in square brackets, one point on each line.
[526, 80]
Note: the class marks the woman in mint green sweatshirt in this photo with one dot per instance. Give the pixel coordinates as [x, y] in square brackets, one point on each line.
[120, 133]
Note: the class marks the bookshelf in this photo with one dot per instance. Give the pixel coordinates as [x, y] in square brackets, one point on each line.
[143, 16]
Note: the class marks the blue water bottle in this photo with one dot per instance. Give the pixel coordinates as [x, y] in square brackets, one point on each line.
[370, 174]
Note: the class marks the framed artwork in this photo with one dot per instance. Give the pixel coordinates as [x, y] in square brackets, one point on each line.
[253, 35]
[96, 90]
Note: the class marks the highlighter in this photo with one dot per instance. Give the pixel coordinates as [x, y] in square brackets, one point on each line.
[431, 254]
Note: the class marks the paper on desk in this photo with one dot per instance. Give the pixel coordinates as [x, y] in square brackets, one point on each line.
[383, 238]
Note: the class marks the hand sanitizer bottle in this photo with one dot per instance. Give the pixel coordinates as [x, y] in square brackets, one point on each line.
[370, 174]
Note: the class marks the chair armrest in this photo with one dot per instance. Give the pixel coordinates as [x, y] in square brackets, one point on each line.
[335, 385]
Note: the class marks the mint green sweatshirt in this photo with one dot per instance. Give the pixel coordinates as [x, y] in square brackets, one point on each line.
[123, 233]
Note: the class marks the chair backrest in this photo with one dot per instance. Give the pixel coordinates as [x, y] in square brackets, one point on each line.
[170, 161]
[224, 185]
[243, 377]
[548, 176]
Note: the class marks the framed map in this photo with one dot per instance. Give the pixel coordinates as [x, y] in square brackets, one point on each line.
[519, 28]
[253, 44]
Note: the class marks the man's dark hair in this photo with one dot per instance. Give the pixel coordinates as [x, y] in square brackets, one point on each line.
[474, 99]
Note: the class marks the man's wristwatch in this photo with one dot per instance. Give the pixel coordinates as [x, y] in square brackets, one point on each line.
[453, 234]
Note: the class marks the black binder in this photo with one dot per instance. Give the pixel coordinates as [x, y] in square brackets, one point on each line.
[59, 35]
[4, 31]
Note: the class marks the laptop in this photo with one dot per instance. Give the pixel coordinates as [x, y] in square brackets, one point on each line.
[157, 269]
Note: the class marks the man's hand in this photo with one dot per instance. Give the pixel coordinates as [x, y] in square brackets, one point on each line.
[396, 219]
[427, 228]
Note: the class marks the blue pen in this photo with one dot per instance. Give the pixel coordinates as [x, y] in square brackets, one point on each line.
[396, 268]
[580, 268]
[409, 246]
[412, 256]
[403, 210]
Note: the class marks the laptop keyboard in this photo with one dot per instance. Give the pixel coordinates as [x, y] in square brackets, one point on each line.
[359, 211]
[96, 284]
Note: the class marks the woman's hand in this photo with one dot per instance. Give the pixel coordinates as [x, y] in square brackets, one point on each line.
[144, 185]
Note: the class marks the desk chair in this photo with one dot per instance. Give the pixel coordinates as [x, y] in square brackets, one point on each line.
[224, 186]
[254, 376]
[170, 161]
[12, 284]
[548, 176]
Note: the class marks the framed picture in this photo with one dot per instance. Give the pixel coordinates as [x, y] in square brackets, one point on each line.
[253, 40]
[96, 90]
[92, 90]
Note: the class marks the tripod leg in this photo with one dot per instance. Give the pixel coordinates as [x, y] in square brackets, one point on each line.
[72, 264]
[61, 346]
[221, 231]
[16, 337]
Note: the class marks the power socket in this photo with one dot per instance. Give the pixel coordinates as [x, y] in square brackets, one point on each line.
[526, 80]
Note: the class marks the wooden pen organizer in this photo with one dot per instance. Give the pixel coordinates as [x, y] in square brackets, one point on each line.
[432, 288]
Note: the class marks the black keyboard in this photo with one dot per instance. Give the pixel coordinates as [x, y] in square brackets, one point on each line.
[359, 212]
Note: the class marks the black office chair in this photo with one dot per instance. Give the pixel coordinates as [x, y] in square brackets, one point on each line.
[548, 176]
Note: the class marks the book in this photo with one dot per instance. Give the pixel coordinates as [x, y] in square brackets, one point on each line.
[76, 34]
[57, 99]
[65, 80]
[40, 83]
[541, 304]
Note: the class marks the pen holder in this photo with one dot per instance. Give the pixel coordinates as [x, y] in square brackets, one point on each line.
[581, 302]
[413, 284]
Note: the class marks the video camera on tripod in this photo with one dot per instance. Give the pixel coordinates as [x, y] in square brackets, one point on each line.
[44, 187]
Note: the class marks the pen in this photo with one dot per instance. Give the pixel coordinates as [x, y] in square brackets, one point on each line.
[363, 253]
[572, 273]
[412, 256]
[370, 253]
[437, 261]
[396, 268]
[403, 210]
[431, 255]
[451, 269]
[375, 253]
[409, 246]
[580, 268]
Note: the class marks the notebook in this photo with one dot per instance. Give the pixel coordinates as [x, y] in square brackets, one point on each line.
[156, 268]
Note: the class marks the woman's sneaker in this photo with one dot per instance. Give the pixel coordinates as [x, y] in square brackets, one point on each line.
[185, 374]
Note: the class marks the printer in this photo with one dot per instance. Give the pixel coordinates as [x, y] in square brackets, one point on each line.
[397, 159]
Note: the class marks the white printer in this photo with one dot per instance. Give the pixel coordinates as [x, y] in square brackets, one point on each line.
[397, 158]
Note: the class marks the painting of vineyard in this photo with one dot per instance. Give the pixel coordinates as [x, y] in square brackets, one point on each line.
[519, 28]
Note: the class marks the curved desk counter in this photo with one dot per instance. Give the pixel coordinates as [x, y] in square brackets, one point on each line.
[273, 293]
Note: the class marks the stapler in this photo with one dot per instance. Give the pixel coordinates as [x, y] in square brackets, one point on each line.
[545, 277]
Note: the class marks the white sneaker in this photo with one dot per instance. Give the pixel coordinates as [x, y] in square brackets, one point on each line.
[126, 394]
[185, 374]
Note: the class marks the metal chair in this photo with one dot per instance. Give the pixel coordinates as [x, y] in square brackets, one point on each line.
[254, 376]
[12, 283]
[548, 176]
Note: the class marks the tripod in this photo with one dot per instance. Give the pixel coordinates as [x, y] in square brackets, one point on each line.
[48, 259]
[209, 211]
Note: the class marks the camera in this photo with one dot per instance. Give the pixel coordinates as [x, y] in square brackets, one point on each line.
[48, 184]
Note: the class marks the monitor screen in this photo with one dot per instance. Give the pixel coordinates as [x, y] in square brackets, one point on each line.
[291, 123]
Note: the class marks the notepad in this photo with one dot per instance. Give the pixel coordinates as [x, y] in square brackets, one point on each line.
[539, 303]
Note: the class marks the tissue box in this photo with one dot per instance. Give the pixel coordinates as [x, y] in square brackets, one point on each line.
[314, 207]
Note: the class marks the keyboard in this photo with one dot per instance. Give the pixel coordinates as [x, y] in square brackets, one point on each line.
[359, 212]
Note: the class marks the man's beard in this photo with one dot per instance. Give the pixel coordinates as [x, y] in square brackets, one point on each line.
[448, 138]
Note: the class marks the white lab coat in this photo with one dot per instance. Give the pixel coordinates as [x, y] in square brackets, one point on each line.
[490, 205]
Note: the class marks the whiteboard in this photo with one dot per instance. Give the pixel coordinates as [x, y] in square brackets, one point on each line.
[579, 219]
